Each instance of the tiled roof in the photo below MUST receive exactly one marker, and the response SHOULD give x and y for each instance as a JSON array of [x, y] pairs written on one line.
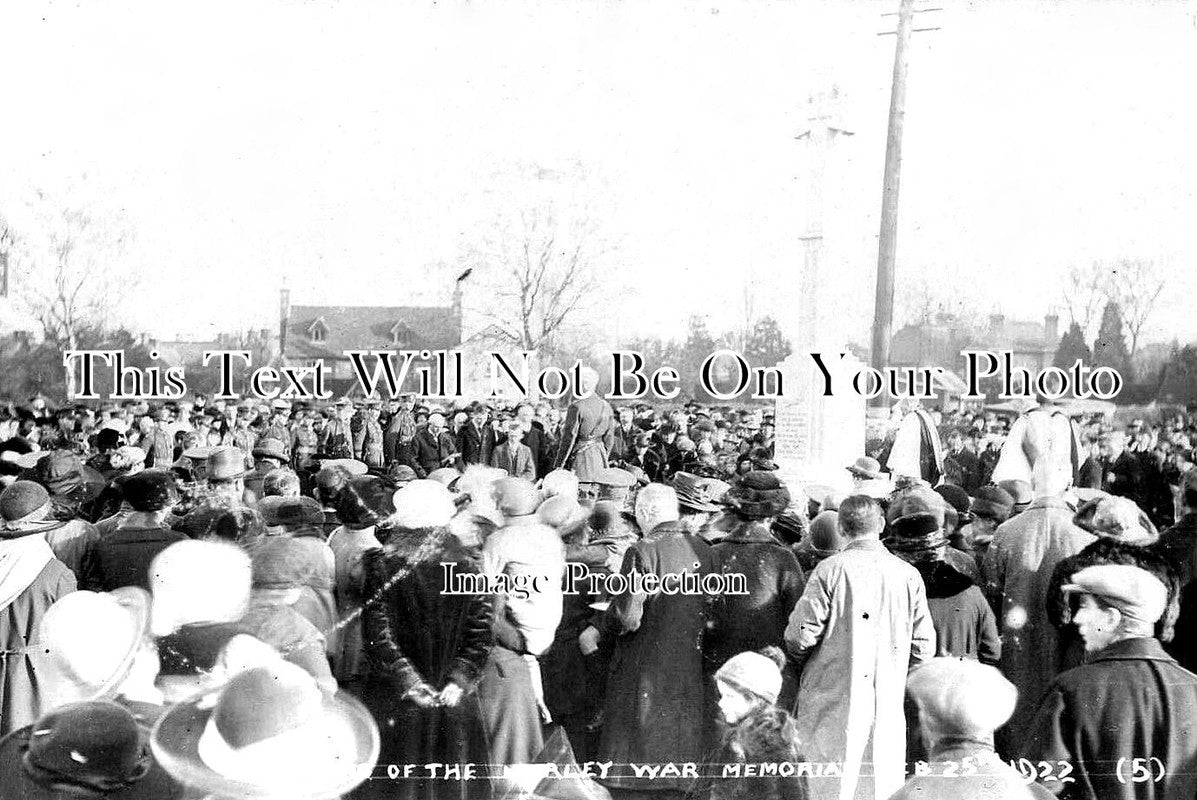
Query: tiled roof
[[370, 328]]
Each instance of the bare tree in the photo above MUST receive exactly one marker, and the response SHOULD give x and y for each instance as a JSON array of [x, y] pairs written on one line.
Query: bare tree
[[540, 273], [923, 297], [1086, 294], [68, 268], [1136, 285]]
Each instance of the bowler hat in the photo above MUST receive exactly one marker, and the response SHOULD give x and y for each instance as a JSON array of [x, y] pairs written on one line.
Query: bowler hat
[[83, 750], [267, 733], [225, 464]]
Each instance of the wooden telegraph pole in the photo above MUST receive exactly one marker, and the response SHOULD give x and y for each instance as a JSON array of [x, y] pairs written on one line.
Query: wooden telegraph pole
[[887, 246]]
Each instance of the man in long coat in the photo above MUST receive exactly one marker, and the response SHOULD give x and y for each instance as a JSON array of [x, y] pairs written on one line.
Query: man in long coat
[[654, 711], [587, 433], [368, 439], [861, 625], [1123, 721], [1016, 571]]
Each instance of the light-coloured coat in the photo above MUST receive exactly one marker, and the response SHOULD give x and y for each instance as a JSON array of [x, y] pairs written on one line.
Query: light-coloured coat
[[862, 623]]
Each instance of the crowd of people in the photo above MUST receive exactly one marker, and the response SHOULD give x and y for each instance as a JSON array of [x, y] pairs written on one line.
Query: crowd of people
[[230, 600]]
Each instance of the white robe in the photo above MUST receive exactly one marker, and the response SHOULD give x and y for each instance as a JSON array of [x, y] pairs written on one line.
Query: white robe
[[1039, 450]]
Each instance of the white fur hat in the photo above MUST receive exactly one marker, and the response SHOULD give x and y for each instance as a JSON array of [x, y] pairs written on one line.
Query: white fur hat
[[198, 581], [423, 504]]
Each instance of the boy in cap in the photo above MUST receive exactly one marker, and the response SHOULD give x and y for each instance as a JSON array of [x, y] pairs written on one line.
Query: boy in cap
[[1129, 701]]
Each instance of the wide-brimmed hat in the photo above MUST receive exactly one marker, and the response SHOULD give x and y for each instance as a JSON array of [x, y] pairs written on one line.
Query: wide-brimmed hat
[[89, 640], [694, 492], [866, 467], [270, 448], [20, 499], [1116, 518], [82, 750], [759, 494], [225, 464], [350, 465], [268, 733], [516, 497]]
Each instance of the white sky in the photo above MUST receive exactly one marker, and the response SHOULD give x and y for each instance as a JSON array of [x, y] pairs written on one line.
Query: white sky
[[346, 147]]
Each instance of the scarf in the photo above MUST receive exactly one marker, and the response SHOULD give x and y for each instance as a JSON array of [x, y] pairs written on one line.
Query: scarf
[[21, 561]]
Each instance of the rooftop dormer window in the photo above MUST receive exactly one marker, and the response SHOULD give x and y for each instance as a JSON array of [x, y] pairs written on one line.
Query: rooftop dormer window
[[401, 334], [318, 331]]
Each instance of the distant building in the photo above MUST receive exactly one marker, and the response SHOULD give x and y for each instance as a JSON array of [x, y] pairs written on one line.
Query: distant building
[[308, 334], [938, 342], [190, 354]]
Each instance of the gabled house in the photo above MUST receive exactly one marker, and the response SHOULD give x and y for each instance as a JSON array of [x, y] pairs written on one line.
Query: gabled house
[[311, 333]]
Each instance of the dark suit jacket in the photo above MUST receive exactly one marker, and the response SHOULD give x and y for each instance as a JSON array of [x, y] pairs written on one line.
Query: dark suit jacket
[[475, 447], [431, 452], [536, 440]]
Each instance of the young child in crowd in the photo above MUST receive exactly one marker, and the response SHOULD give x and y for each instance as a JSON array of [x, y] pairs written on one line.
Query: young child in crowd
[[755, 729]]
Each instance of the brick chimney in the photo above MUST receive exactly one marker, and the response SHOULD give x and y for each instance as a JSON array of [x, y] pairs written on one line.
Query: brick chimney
[[1051, 329]]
